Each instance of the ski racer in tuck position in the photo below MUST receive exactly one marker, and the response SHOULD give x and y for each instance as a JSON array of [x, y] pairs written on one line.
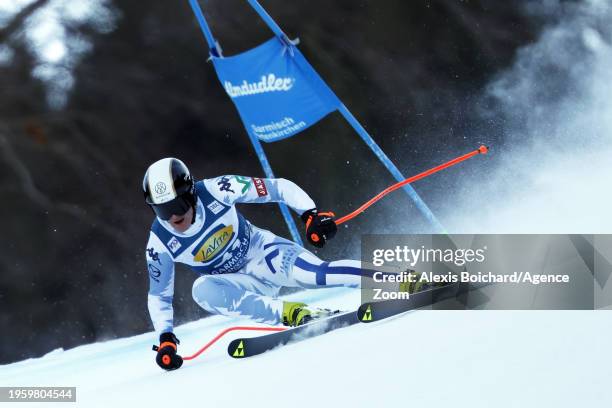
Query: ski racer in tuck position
[[241, 267]]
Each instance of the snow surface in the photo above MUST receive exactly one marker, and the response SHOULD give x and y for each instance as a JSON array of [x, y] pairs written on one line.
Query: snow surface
[[422, 358]]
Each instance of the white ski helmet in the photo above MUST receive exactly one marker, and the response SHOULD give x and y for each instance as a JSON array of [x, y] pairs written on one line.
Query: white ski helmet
[[169, 188]]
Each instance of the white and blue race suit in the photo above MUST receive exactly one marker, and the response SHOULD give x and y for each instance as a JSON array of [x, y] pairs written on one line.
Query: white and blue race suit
[[241, 267]]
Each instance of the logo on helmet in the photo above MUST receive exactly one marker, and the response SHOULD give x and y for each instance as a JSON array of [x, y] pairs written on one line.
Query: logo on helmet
[[160, 187]]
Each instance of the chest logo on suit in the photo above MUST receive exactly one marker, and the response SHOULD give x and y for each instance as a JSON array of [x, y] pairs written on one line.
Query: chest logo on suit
[[214, 244]]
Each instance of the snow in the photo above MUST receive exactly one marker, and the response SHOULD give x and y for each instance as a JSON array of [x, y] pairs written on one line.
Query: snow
[[554, 105], [422, 358]]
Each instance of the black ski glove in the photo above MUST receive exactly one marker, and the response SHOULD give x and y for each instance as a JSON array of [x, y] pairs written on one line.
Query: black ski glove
[[166, 352], [320, 226]]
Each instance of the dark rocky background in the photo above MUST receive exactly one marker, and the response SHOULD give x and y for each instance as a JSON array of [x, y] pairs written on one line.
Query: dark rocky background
[[74, 221]]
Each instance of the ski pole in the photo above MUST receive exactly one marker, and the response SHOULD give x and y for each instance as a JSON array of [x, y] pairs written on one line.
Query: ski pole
[[481, 150], [229, 329]]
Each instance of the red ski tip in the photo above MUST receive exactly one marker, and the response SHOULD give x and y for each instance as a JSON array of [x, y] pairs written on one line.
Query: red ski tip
[[483, 149]]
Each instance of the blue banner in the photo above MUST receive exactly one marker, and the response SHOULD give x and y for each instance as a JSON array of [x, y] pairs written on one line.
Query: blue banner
[[276, 91]]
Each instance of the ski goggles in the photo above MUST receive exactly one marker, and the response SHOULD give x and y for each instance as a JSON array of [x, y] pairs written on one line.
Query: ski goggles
[[178, 206]]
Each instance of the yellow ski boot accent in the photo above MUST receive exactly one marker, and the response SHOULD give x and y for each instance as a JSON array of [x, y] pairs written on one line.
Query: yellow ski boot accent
[[295, 314], [413, 287]]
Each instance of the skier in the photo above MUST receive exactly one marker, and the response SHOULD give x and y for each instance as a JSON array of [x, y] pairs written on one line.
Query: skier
[[242, 267]]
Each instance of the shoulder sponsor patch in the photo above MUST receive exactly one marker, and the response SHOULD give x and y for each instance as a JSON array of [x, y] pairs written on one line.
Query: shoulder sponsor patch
[[215, 207], [260, 186], [225, 184], [154, 255], [246, 183], [174, 244]]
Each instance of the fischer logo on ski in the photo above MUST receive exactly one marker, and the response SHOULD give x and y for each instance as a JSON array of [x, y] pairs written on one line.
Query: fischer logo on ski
[[252, 346], [239, 352], [367, 315]]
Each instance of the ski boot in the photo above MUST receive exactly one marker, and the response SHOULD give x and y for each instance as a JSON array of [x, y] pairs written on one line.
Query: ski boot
[[297, 314], [416, 286]]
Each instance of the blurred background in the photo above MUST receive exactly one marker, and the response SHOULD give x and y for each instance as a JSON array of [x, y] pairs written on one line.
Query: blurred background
[[93, 91]]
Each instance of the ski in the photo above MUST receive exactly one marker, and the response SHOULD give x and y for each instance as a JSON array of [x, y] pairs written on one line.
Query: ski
[[252, 346], [368, 312], [375, 311]]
